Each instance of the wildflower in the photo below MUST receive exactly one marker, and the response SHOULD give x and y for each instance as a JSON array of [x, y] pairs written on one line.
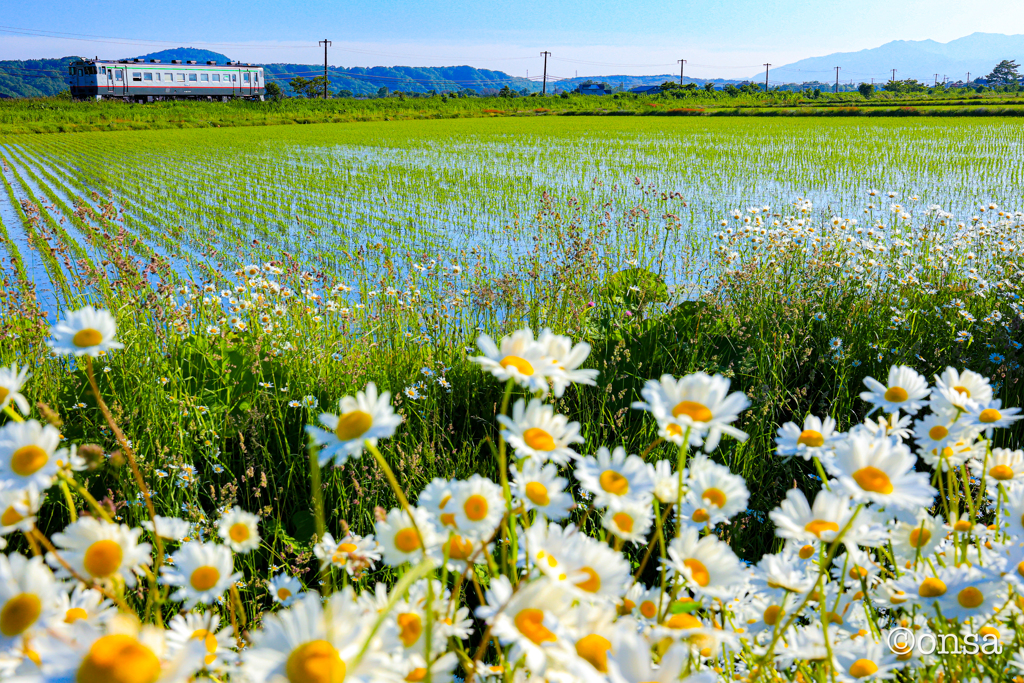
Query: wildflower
[[478, 507], [906, 391], [794, 519], [27, 455], [525, 618], [988, 416], [284, 589], [819, 316], [87, 331], [11, 381], [566, 359], [996, 359], [310, 402], [403, 540], [715, 494], [365, 418], [537, 486], [1005, 467], [520, 359], [184, 629], [100, 550], [537, 432], [171, 528], [238, 530], [697, 403], [629, 521], [814, 439], [354, 553], [614, 477], [835, 343], [294, 404], [876, 469], [28, 595], [202, 572], [412, 392], [707, 564]]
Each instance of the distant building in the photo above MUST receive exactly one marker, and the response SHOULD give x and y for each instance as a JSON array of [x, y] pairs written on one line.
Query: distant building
[[646, 90], [594, 89]]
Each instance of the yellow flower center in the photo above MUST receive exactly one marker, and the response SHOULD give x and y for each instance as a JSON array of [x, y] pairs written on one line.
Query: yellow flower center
[[592, 583], [811, 438], [919, 536], [614, 483], [818, 526], [537, 493], [118, 658], [28, 460], [672, 429], [771, 614], [873, 479], [623, 521], [210, 641], [83, 339], [410, 628], [74, 614], [539, 440], [10, 517], [475, 507], [683, 621], [697, 412], [715, 497], [896, 395], [448, 518], [648, 609], [407, 540], [931, 588], [417, 675], [460, 548], [353, 425], [806, 552], [698, 571], [19, 613], [520, 364], [283, 594], [348, 547], [862, 668], [1001, 472], [962, 526], [594, 649], [4, 393], [970, 597], [963, 390], [530, 622], [989, 415], [239, 532], [315, 662], [204, 578], [938, 432], [700, 515], [102, 558]]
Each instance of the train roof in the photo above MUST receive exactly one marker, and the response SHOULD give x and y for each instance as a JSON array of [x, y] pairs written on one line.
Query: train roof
[[176, 63]]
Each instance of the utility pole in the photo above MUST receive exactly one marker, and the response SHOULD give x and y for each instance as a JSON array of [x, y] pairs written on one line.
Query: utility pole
[[325, 43], [682, 65], [544, 88], [968, 76], [893, 76], [766, 77], [837, 79], [936, 80]]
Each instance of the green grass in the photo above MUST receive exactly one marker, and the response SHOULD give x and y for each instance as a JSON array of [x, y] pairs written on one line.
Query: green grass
[[536, 213]]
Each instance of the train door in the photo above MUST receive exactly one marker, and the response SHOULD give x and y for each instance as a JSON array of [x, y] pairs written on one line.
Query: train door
[[107, 80], [120, 80], [236, 83]]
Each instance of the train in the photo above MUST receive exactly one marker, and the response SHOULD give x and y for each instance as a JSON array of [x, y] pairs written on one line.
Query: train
[[138, 80]]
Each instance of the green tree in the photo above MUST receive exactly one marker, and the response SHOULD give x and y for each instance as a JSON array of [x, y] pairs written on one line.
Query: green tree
[[274, 91], [866, 90], [709, 87], [345, 93], [299, 85], [382, 91], [1004, 73]]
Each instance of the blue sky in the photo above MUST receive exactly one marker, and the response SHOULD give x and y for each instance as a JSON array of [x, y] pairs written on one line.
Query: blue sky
[[724, 38]]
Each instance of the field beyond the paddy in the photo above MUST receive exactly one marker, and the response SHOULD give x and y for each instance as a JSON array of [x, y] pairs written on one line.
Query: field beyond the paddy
[[765, 249]]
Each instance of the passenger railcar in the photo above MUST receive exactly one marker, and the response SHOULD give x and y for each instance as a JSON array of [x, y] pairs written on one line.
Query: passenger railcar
[[142, 81]]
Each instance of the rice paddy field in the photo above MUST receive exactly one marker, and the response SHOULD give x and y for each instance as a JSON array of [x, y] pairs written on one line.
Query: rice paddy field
[[259, 274]]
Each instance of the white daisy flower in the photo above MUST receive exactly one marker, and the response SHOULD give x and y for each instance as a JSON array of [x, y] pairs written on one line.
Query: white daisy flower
[[183, 629], [537, 486], [880, 471], [27, 455], [201, 571], [18, 508], [614, 477], [1004, 467], [918, 540], [28, 597], [714, 493], [631, 663], [527, 619], [708, 565], [399, 539], [666, 481], [365, 417], [865, 660], [171, 528], [354, 553], [814, 439], [100, 550], [538, 432], [478, 506], [955, 392], [699, 403], [520, 358], [311, 641], [794, 519], [973, 593], [907, 391], [81, 604], [11, 381], [629, 521], [284, 589], [990, 416], [567, 360], [238, 529], [87, 331]]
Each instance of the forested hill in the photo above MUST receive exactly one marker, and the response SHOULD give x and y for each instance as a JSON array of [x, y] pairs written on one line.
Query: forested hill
[[40, 77]]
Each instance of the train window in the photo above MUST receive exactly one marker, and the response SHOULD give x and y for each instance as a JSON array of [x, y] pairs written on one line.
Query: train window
[[118, 75], [103, 69], [234, 77], [148, 77], [204, 77], [136, 76], [181, 78], [245, 78], [193, 77], [216, 77]]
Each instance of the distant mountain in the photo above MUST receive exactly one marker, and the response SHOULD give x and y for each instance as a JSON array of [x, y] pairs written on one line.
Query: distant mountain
[[920, 59], [185, 54], [34, 77]]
